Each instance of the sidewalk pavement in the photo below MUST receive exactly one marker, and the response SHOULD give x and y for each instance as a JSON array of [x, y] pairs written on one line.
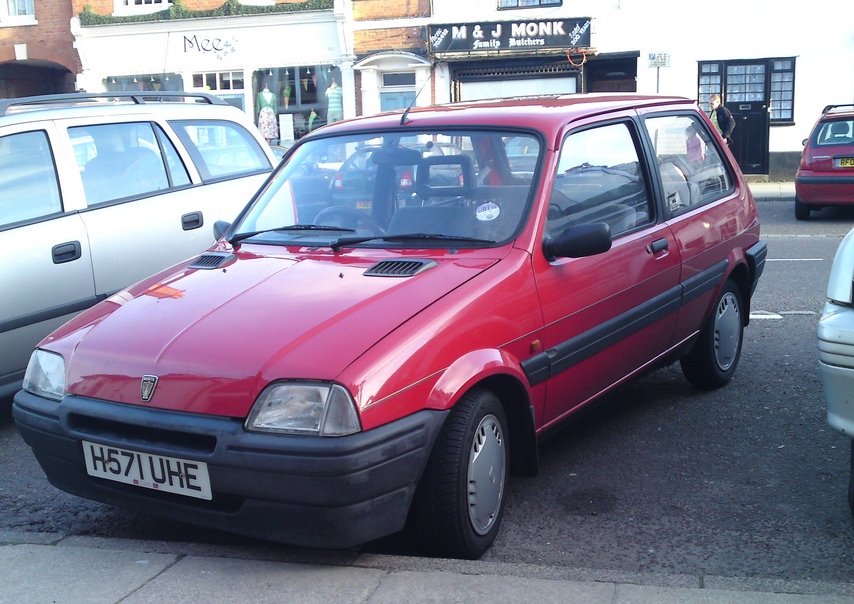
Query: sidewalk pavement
[[49, 568], [772, 191]]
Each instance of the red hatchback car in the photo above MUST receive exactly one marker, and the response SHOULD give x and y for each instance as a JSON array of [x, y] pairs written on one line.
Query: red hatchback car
[[826, 173], [327, 374]]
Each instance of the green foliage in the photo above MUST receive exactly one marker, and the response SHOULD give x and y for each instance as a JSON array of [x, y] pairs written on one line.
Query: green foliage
[[178, 11]]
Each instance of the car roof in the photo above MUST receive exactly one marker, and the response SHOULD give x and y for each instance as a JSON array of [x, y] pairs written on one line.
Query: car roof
[[75, 105], [544, 112]]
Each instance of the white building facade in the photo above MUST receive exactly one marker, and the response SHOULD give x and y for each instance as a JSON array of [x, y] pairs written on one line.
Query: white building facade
[[776, 65]]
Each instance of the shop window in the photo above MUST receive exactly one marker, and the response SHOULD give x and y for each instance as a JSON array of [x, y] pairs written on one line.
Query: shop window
[[144, 82], [292, 101], [527, 3]]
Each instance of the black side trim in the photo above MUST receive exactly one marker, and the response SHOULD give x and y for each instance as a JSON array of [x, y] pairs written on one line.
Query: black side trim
[[567, 354], [831, 181], [698, 285], [50, 313], [756, 256]]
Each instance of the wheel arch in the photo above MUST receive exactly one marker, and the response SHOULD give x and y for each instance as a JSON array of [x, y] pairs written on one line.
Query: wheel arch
[[740, 275], [501, 374]]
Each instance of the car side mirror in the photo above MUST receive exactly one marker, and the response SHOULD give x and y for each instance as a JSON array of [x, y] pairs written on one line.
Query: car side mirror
[[579, 241], [804, 142], [220, 227]]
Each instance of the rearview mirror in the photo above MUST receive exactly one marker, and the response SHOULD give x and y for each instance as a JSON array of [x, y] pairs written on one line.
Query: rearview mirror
[[579, 241]]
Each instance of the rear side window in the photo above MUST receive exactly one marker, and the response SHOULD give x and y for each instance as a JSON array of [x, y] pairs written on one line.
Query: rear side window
[[28, 180], [117, 161], [221, 149], [599, 179], [837, 132], [692, 171]]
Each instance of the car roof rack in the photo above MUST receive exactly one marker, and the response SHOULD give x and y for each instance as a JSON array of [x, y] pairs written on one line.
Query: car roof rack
[[828, 108], [52, 101]]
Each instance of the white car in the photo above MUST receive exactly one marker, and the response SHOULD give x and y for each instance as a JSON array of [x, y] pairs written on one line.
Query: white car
[[99, 191], [836, 347]]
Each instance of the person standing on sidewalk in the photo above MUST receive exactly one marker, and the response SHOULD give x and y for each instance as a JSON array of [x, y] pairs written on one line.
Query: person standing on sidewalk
[[721, 118]]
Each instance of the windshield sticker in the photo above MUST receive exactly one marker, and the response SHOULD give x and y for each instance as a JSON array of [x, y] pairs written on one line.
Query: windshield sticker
[[488, 211]]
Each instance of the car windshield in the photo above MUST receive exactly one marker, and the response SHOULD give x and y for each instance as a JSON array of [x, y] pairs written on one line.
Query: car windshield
[[399, 189]]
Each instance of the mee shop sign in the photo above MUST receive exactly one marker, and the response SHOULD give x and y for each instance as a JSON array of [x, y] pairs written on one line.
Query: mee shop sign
[[510, 35]]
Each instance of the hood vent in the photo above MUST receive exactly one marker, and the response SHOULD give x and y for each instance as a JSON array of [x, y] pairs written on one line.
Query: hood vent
[[399, 268], [213, 260]]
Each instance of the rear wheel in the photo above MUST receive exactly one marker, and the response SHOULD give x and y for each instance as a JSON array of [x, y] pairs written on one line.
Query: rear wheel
[[460, 501], [802, 210], [714, 357]]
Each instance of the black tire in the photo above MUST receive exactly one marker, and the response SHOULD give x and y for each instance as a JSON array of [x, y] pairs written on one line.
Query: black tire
[[459, 503], [851, 480], [712, 361], [802, 210]]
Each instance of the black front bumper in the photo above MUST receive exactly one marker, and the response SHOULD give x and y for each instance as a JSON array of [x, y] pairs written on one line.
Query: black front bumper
[[307, 491]]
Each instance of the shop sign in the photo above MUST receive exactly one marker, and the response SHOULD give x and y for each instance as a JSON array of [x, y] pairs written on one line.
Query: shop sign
[[210, 46], [510, 35]]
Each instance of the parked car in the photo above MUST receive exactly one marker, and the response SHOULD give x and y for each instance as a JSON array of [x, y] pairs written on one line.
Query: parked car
[[330, 382], [836, 347], [826, 172], [101, 190]]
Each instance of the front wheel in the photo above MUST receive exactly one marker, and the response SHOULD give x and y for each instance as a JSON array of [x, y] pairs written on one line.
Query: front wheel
[[460, 500], [714, 357]]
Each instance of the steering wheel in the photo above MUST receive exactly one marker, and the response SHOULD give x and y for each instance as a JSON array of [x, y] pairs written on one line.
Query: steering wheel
[[349, 218]]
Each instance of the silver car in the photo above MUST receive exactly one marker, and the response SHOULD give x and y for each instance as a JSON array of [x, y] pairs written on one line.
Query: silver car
[[836, 347], [99, 191]]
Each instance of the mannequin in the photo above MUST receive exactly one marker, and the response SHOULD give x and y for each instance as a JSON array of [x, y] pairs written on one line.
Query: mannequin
[[267, 111], [334, 103]]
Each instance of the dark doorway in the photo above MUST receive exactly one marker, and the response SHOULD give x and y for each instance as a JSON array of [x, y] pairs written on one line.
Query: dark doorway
[[750, 137], [746, 96]]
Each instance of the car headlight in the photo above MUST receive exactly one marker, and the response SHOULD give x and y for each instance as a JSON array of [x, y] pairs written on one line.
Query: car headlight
[[45, 375], [304, 408]]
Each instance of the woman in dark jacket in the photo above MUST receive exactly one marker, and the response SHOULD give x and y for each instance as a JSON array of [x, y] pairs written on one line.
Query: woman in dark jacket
[[721, 118]]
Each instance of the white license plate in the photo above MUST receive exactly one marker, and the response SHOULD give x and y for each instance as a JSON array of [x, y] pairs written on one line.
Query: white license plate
[[170, 474]]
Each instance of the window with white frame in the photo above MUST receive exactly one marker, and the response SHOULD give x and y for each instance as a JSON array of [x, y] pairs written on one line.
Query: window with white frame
[[17, 12], [139, 7], [527, 3]]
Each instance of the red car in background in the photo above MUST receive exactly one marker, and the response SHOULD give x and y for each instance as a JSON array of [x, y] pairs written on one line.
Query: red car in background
[[329, 373], [826, 172]]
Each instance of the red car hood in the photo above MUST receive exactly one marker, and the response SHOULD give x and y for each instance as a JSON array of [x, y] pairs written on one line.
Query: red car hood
[[216, 338]]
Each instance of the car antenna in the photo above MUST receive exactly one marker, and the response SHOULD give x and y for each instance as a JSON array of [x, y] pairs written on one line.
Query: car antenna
[[412, 104]]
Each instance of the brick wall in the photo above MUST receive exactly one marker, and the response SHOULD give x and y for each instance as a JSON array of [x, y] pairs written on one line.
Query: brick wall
[[105, 7], [369, 10], [406, 39]]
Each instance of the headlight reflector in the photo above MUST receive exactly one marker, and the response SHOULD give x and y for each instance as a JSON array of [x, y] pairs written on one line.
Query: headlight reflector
[[45, 375], [304, 408]]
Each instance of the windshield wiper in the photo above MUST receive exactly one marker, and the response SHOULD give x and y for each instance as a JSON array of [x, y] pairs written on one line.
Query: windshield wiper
[[294, 227], [348, 241]]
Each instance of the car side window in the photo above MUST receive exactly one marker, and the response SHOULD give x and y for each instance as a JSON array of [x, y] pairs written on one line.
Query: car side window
[[28, 181], [599, 179], [125, 161], [221, 149], [691, 169]]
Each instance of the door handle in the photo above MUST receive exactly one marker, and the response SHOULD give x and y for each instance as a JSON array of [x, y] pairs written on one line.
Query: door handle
[[657, 246], [66, 252], [191, 221]]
